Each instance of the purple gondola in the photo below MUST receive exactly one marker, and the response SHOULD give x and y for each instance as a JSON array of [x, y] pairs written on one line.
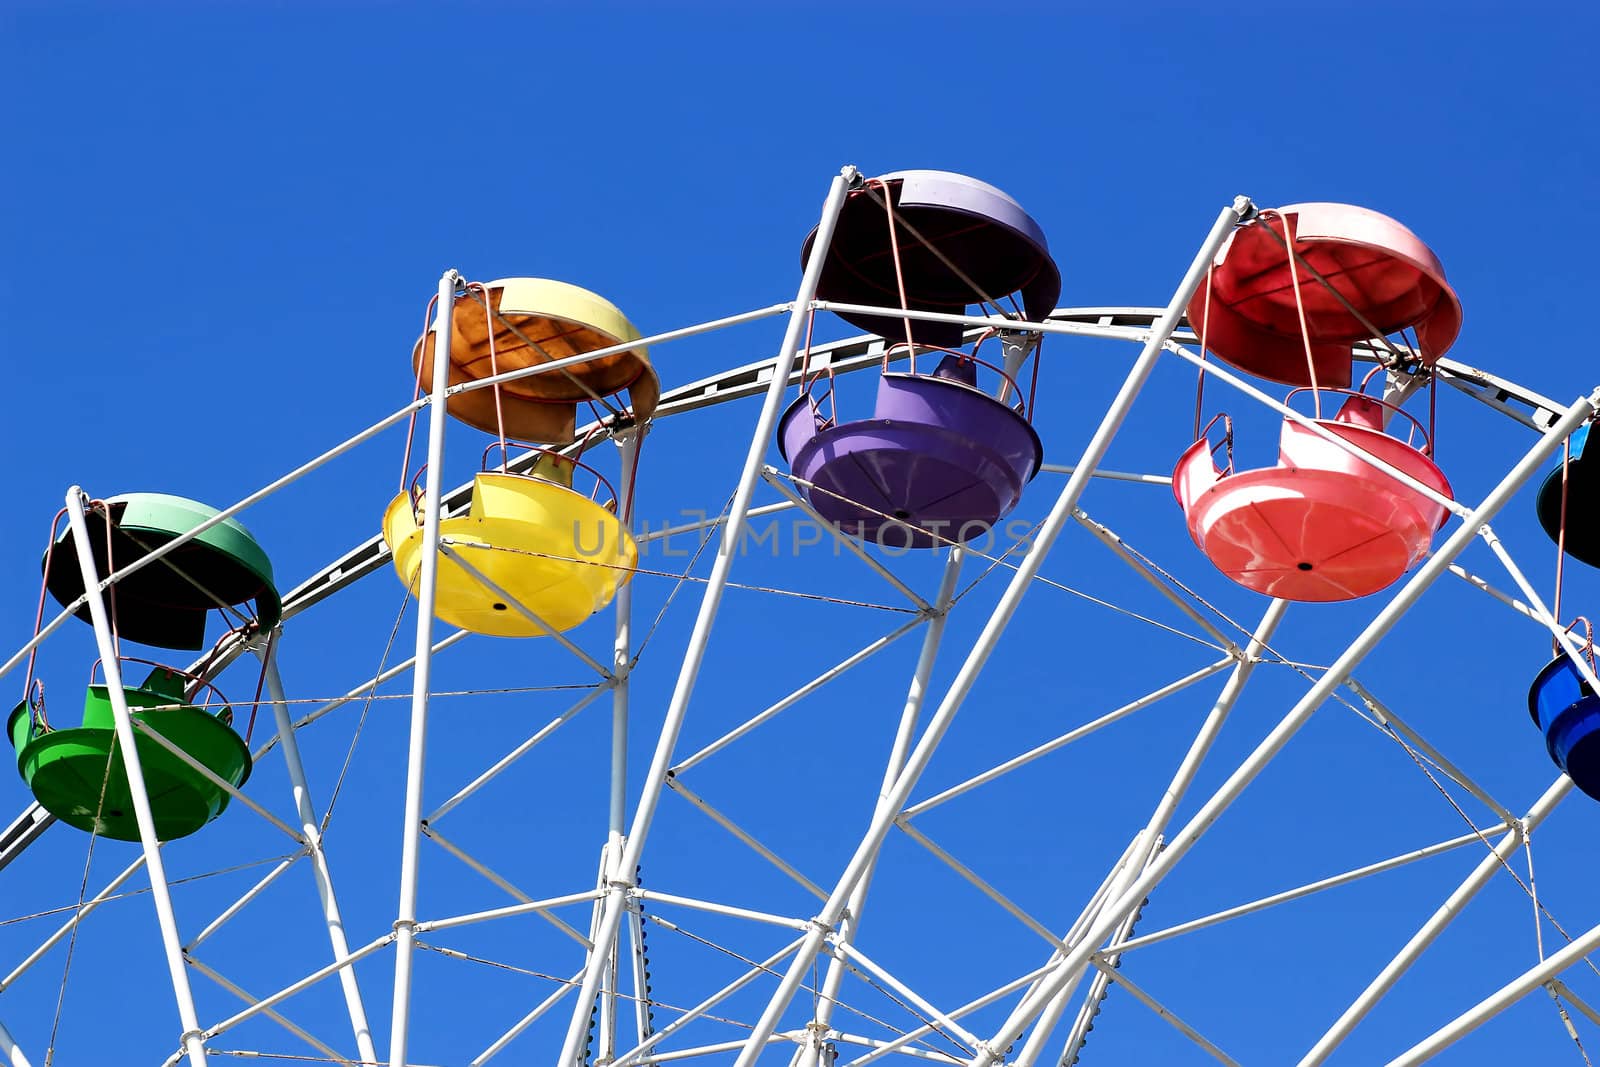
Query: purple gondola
[[941, 460]]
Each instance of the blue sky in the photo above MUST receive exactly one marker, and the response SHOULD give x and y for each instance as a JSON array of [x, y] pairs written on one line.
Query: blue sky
[[226, 222]]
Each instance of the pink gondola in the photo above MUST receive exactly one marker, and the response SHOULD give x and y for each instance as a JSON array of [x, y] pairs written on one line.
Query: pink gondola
[[1361, 275], [1323, 524]]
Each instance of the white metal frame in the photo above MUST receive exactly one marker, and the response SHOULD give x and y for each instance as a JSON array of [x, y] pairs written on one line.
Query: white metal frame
[[1096, 942]]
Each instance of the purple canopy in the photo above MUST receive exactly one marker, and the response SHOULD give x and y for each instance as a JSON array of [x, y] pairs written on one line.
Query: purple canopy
[[973, 225]]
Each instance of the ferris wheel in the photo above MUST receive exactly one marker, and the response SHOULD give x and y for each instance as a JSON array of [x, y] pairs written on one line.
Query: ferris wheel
[[837, 813]]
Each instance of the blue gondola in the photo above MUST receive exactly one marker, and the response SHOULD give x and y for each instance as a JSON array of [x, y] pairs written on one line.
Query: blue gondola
[[1566, 708]]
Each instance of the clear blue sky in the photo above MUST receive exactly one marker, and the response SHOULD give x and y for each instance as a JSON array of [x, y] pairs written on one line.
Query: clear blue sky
[[224, 222]]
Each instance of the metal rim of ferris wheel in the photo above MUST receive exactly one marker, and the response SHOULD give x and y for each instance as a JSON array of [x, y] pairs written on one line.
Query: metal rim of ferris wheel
[[1100, 936]]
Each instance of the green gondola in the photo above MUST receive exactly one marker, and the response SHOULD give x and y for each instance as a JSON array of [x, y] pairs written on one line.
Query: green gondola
[[67, 769], [78, 773]]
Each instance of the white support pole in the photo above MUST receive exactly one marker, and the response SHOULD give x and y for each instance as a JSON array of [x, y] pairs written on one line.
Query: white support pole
[[1306, 890], [1562, 636], [916, 693], [1049, 1009], [642, 1022], [1297, 716], [501, 882], [842, 1037], [1113, 879], [192, 1041], [1563, 990], [622, 649], [1114, 476], [621, 665], [1478, 583], [292, 988], [639, 1052], [1099, 986], [1074, 734], [1499, 1001], [1021, 581], [277, 1017], [992, 322], [749, 839], [405, 922], [1157, 826], [11, 1050], [305, 808], [1386, 716], [261, 886], [810, 1054], [655, 896], [526, 1021], [652, 341], [972, 878], [79, 914], [1107, 970], [846, 951], [795, 696], [450, 922], [515, 754], [1110, 539], [605, 1050], [698, 1051], [711, 600], [1414, 948], [899, 1044], [160, 740]]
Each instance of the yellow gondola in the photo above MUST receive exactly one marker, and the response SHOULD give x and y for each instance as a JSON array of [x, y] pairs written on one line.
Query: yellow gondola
[[530, 555], [534, 540]]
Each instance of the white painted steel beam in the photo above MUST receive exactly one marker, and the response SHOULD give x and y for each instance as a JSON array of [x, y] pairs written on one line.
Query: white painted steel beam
[[517, 753], [405, 923], [1070, 736], [1106, 536], [711, 600], [855, 659], [1309, 888], [277, 1017], [1147, 845], [1297, 717], [1499, 1000], [967, 676], [641, 1051], [748, 839], [499, 1044], [810, 1053], [501, 882], [1418, 944], [11, 1050], [1166, 1014], [192, 1044]]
